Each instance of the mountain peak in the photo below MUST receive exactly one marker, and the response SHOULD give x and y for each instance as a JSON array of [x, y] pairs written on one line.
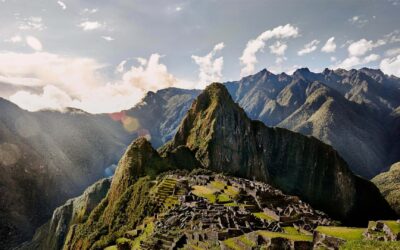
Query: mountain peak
[[223, 139], [214, 96], [140, 159], [217, 92], [302, 70]]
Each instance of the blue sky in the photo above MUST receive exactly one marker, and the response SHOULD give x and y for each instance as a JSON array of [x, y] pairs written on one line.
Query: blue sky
[[103, 56]]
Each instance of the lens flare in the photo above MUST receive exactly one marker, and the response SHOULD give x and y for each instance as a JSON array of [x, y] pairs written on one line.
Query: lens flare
[[130, 124]]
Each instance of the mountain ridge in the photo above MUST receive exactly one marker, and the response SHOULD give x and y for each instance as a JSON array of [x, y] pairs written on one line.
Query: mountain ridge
[[223, 139]]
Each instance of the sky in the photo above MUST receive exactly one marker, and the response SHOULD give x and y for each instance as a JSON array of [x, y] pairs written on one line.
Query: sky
[[103, 56]]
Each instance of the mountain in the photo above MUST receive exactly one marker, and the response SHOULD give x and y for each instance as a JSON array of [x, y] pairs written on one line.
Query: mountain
[[58, 154], [161, 208], [155, 202], [354, 111], [349, 110], [159, 114], [389, 184], [46, 158], [224, 139]]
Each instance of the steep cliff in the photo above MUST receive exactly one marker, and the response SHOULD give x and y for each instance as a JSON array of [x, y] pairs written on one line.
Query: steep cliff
[[223, 139], [52, 234]]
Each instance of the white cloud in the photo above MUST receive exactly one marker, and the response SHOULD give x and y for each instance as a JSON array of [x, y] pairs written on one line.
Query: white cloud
[[150, 76], [393, 52], [391, 66], [32, 23], [249, 59], [371, 58], [62, 5], [61, 81], [354, 61], [52, 97], [34, 43], [210, 67], [362, 46], [358, 21], [178, 8], [278, 48], [120, 67], [330, 46], [89, 11], [308, 48], [108, 38], [392, 37], [14, 39], [142, 61], [89, 25], [395, 2]]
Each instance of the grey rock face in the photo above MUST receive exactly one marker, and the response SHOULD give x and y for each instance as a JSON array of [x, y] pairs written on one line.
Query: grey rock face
[[51, 236]]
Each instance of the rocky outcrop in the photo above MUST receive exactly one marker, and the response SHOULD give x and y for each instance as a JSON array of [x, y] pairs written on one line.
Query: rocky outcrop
[[389, 185], [223, 139], [52, 234]]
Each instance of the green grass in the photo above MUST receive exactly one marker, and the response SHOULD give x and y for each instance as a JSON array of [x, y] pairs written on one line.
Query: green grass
[[231, 191], [393, 225], [205, 192], [209, 194], [223, 198], [263, 216], [291, 230], [346, 233], [370, 245], [111, 248], [294, 237], [218, 185], [231, 204], [233, 242], [148, 230]]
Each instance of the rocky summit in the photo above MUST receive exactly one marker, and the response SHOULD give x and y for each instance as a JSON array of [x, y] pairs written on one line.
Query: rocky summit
[[222, 138]]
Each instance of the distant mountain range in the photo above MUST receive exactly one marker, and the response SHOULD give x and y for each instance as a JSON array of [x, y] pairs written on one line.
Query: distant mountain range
[[60, 153]]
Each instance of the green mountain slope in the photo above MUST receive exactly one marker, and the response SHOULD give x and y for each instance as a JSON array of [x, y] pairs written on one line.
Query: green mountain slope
[[389, 185]]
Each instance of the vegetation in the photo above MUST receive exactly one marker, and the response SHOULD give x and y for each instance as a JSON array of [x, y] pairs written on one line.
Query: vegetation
[[236, 242], [263, 216], [148, 230], [393, 225], [389, 185], [294, 237], [346, 233], [113, 217], [370, 245]]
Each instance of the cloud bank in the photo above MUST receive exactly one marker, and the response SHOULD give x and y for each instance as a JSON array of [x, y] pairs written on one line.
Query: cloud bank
[[59, 81]]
